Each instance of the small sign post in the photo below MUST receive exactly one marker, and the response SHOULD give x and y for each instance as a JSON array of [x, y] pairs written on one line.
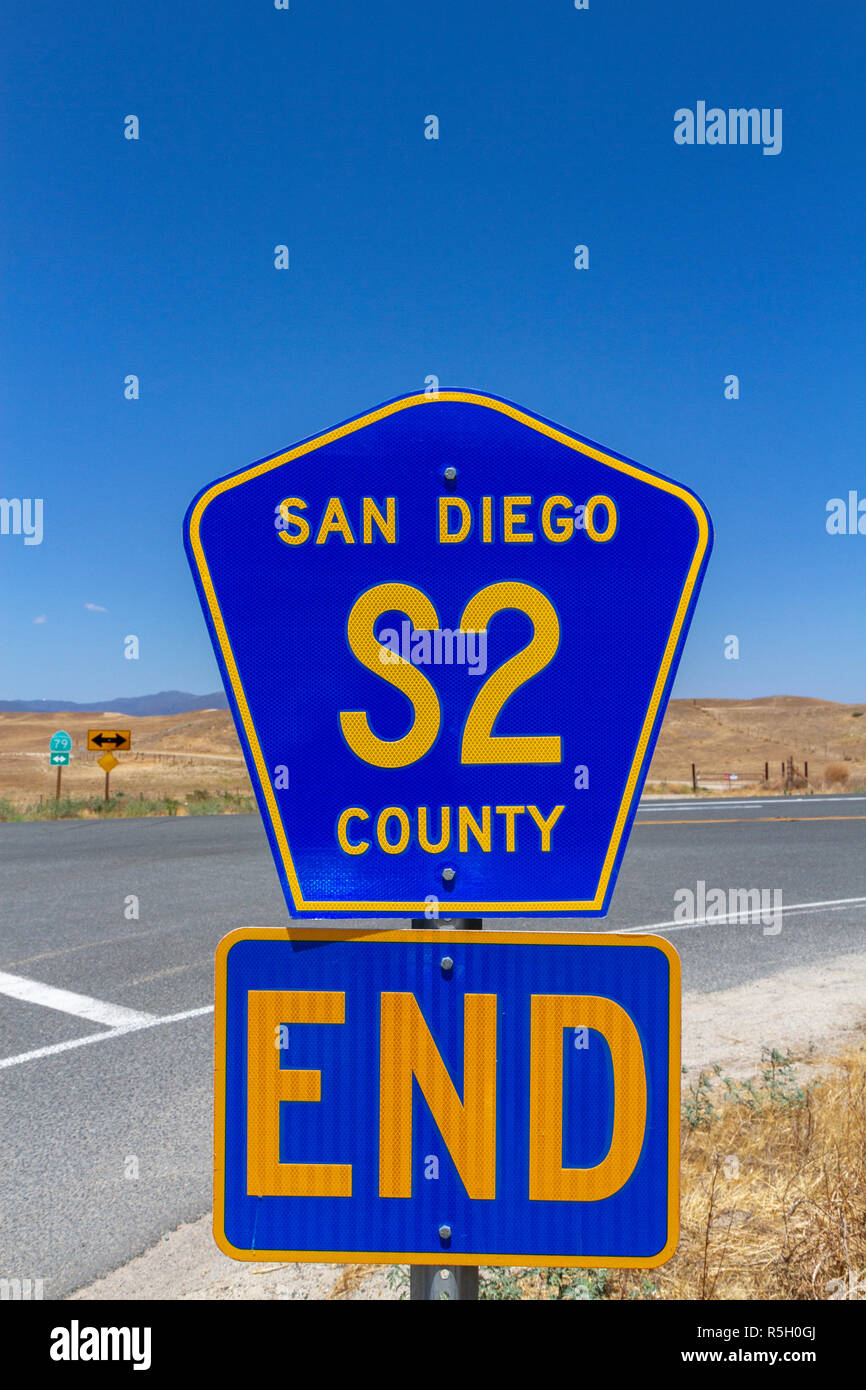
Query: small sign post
[[112, 739], [58, 755], [107, 762]]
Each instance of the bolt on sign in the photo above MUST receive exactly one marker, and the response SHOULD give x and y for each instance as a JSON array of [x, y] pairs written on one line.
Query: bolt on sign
[[458, 1098], [448, 630]]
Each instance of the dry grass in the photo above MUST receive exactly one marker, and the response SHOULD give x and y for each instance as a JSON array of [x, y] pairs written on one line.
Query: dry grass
[[774, 1186], [741, 735], [199, 802], [835, 774], [773, 1196], [350, 1279]]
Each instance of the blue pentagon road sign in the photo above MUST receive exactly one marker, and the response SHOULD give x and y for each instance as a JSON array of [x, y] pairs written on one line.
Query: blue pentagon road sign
[[60, 742], [448, 630], [460, 1097]]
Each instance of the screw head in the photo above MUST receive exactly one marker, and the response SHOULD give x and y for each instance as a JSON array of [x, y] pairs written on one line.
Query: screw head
[[444, 1234], [447, 963], [449, 875], [450, 474]]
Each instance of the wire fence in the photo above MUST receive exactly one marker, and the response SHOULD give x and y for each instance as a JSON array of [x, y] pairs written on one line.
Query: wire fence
[[788, 774]]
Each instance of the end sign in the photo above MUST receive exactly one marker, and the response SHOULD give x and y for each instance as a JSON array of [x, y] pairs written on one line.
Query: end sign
[[447, 1097]]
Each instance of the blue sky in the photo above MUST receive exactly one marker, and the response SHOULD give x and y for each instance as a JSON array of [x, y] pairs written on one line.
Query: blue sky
[[411, 257]]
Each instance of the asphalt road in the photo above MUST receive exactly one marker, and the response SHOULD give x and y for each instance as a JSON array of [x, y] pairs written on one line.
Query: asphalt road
[[80, 1118]]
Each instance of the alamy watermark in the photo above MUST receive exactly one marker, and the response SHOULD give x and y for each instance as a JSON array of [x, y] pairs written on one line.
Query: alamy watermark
[[846, 517], [734, 126], [737, 906], [22, 516], [854, 1287], [77, 1343], [18, 1290], [434, 647]]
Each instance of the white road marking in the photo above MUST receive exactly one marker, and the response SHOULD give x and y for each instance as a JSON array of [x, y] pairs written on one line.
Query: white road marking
[[705, 805], [679, 925], [128, 1021], [150, 1022], [719, 805], [81, 1005]]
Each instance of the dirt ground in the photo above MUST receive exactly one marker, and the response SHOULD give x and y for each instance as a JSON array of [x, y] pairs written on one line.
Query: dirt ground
[[740, 736], [173, 755]]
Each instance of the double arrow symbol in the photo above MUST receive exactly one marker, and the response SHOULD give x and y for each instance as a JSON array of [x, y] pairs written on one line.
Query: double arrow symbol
[[109, 738]]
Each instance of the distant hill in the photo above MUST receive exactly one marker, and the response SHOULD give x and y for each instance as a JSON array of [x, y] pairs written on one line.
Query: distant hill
[[166, 702]]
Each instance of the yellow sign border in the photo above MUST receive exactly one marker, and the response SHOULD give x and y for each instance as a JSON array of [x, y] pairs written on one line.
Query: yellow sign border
[[441, 938], [463, 907]]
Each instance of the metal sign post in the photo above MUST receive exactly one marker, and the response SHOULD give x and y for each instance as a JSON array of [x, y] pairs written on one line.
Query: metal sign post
[[58, 751], [445, 1283], [107, 762]]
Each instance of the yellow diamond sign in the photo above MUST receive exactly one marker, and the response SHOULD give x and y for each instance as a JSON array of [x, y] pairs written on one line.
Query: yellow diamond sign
[[107, 762]]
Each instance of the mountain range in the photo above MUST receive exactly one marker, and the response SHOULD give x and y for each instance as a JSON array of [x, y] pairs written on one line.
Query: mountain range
[[165, 702]]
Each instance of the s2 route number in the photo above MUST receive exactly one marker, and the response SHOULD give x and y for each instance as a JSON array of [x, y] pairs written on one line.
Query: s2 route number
[[479, 743], [436, 765]]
